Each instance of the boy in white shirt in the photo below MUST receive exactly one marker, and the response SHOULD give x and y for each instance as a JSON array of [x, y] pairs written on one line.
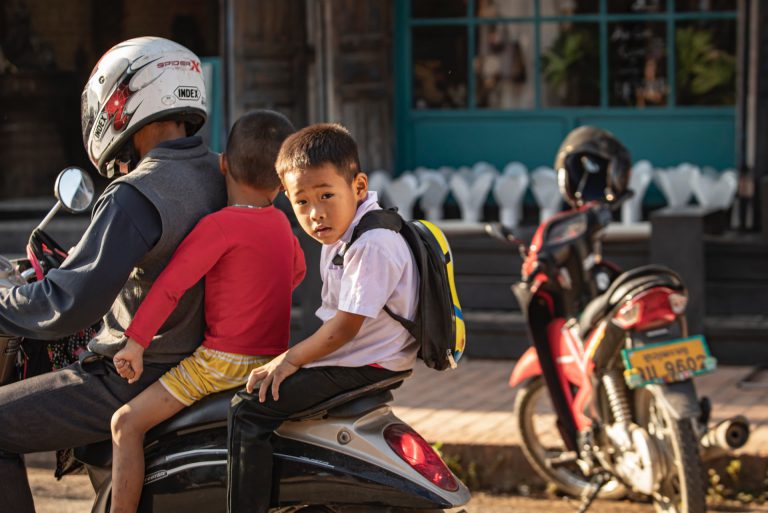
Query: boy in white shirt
[[358, 343]]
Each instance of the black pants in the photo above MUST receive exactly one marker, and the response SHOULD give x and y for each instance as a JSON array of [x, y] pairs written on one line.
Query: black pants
[[58, 410], [251, 424]]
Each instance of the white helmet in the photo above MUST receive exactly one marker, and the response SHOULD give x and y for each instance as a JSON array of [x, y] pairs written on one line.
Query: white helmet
[[135, 83]]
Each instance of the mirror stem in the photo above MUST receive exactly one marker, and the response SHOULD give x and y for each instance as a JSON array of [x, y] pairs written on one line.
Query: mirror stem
[[49, 216]]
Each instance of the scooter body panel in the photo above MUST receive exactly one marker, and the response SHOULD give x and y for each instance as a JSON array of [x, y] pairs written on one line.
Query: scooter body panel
[[189, 471]]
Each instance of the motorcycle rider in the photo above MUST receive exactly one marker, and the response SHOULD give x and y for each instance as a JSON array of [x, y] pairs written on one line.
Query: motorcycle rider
[[140, 108]]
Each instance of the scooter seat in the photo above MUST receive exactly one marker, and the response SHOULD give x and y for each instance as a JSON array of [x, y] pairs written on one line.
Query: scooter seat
[[212, 411], [355, 402], [631, 281]]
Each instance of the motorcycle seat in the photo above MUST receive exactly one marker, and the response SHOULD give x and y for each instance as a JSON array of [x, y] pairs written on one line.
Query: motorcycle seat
[[212, 411], [355, 402], [632, 281]]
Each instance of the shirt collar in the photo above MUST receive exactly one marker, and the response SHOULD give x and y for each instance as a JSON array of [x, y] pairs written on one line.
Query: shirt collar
[[368, 204], [182, 143]]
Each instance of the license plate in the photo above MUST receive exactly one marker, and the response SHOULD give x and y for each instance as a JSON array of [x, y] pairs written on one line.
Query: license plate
[[667, 362]]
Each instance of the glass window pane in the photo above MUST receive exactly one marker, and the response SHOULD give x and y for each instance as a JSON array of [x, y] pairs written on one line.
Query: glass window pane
[[570, 64], [637, 64], [636, 6], [504, 8], [439, 67], [438, 8], [569, 7], [706, 5], [504, 66], [706, 62]]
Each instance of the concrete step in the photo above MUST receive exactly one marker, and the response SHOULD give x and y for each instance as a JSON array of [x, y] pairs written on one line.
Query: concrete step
[[65, 229], [21, 208]]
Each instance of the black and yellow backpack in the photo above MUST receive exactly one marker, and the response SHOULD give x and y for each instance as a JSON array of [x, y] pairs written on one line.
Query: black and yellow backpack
[[439, 324]]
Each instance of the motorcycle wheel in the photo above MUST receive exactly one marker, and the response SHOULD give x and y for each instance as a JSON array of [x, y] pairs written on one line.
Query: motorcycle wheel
[[683, 487], [535, 420]]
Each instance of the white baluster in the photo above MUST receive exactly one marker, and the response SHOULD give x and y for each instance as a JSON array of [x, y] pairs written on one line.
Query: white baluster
[[470, 190], [509, 191], [713, 189], [639, 180], [403, 192], [436, 190], [676, 183], [546, 192], [378, 181]]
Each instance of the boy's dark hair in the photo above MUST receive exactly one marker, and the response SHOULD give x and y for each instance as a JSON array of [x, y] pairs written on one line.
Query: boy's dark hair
[[252, 147], [316, 145]]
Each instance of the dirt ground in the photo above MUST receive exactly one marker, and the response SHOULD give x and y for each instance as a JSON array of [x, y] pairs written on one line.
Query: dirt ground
[[73, 495]]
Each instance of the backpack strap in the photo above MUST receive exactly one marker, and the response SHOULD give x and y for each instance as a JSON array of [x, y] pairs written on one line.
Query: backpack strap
[[372, 220], [390, 220]]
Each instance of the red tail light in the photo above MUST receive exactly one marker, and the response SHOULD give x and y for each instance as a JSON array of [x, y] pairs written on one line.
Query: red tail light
[[651, 309], [417, 453]]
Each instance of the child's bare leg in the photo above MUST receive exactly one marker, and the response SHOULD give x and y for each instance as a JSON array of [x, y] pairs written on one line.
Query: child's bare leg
[[129, 424]]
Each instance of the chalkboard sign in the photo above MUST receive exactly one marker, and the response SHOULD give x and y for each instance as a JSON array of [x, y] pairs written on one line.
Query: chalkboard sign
[[637, 64]]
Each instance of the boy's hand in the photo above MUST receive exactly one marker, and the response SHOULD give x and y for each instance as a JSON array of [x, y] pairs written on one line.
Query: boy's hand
[[129, 361], [271, 374]]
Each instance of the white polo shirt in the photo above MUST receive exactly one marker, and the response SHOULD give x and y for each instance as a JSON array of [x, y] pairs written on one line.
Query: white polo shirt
[[378, 270]]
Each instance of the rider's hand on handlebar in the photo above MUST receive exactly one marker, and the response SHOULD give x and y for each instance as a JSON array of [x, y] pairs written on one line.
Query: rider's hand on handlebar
[[129, 361]]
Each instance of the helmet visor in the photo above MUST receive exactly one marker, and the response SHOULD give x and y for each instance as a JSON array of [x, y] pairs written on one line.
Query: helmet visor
[[588, 176]]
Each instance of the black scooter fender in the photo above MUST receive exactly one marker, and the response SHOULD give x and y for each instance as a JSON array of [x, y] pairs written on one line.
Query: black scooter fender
[[680, 399]]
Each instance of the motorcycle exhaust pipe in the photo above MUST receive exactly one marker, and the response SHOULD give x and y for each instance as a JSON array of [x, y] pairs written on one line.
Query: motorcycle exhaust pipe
[[726, 436]]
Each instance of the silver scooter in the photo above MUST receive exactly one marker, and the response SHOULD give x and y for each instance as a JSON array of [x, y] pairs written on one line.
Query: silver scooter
[[348, 454]]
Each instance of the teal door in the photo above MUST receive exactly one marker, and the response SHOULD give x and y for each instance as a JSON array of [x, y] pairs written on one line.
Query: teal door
[[505, 80], [214, 132]]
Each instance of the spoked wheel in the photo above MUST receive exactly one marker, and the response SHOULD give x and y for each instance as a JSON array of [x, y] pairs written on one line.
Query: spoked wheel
[[682, 488], [544, 447]]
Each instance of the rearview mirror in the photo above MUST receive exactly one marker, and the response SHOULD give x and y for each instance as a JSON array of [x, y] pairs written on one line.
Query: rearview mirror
[[74, 189]]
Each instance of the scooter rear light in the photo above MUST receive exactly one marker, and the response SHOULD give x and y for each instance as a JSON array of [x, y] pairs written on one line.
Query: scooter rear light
[[651, 309], [417, 453], [678, 302]]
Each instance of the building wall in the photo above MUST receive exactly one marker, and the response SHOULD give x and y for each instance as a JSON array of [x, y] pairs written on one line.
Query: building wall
[[65, 29], [362, 84], [197, 22], [267, 57], [52, 47], [317, 61]]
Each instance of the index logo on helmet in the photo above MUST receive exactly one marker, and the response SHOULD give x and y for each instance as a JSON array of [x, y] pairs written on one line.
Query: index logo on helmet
[[98, 132], [193, 65], [187, 93]]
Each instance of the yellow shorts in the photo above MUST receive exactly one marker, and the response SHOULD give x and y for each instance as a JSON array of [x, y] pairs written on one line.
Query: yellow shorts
[[207, 371]]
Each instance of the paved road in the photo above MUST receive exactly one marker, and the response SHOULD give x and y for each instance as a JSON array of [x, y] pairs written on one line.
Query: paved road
[[73, 495]]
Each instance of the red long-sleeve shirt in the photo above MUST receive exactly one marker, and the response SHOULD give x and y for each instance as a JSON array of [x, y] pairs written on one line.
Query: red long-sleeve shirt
[[251, 262]]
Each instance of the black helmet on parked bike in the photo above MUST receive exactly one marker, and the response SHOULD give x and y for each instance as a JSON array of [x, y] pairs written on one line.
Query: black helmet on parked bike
[[592, 164]]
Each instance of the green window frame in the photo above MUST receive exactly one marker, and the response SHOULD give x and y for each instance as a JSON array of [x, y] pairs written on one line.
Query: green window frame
[[603, 18], [667, 134]]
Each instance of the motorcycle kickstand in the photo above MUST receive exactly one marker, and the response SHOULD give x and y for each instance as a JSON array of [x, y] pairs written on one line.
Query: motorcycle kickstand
[[591, 491]]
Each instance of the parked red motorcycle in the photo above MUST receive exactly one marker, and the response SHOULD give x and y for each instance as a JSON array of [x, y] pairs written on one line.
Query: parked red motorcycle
[[606, 401]]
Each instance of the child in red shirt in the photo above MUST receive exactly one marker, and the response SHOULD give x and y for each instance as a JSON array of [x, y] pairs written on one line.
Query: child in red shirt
[[251, 262]]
